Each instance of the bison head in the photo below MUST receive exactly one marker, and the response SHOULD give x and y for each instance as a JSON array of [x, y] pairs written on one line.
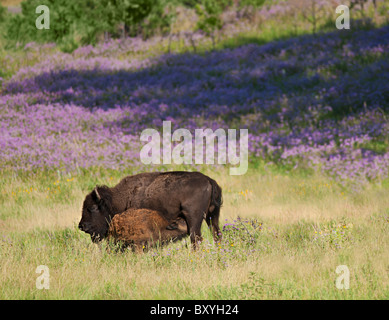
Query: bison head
[[97, 213]]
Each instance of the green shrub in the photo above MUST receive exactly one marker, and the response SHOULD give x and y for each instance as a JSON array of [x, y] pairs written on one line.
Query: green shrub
[[2, 13], [159, 20], [76, 22]]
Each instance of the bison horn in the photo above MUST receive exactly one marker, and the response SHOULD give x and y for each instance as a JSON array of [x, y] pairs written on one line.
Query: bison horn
[[97, 194]]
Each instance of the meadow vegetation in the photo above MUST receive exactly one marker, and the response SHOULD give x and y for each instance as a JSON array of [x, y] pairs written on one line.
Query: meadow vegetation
[[316, 194], [283, 238]]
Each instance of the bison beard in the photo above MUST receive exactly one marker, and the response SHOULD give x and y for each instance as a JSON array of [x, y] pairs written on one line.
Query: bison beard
[[141, 228], [192, 196]]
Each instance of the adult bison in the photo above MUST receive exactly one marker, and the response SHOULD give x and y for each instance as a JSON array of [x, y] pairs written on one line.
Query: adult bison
[[192, 196]]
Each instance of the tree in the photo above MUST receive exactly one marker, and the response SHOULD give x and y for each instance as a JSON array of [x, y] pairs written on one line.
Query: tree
[[312, 12], [248, 7], [159, 20], [361, 5], [2, 13], [130, 12], [209, 13]]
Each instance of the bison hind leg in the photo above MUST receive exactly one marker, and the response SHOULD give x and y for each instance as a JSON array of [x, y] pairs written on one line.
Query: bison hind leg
[[212, 219], [194, 219]]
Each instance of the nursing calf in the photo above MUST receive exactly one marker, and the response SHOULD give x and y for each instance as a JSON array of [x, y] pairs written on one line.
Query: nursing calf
[[142, 228]]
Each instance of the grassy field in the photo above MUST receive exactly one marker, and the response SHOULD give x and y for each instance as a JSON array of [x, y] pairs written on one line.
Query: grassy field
[[315, 197], [284, 237]]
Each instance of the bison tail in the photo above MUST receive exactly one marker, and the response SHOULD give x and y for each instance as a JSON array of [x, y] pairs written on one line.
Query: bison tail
[[213, 214], [216, 197]]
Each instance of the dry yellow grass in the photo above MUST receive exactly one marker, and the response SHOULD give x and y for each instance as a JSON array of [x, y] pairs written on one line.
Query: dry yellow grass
[[10, 3]]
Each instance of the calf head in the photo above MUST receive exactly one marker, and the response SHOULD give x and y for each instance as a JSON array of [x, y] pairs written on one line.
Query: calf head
[[97, 213]]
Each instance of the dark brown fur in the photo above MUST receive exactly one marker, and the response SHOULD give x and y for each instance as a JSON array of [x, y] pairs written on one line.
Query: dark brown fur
[[142, 228], [191, 196]]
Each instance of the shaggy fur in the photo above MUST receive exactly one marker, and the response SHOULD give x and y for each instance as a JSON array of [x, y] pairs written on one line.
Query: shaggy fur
[[142, 228], [176, 195]]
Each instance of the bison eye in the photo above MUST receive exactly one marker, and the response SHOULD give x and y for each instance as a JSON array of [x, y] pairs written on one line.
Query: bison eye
[[93, 209]]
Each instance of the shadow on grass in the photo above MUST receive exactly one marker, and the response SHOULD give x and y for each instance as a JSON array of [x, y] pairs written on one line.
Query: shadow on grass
[[331, 74]]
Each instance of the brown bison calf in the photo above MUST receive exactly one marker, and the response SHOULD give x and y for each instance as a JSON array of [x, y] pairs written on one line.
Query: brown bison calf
[[141, 228]]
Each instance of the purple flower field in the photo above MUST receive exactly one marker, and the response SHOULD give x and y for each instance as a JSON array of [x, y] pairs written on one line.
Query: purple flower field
[[318, 102]]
